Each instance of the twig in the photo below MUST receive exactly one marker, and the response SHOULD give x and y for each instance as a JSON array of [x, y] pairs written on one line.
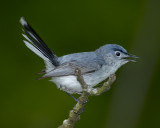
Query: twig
[[74, 114], [106, 86]]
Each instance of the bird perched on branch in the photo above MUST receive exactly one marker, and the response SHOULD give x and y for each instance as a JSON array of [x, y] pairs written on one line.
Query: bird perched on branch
[[95, 66]]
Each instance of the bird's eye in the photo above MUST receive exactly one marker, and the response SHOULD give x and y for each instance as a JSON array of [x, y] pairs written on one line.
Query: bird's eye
[[117, 53]]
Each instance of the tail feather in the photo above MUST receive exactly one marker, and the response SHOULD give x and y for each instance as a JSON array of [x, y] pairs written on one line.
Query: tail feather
[[35, 50], [36, 44]]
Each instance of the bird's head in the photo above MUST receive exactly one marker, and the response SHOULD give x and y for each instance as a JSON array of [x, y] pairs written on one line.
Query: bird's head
[[115, 55]]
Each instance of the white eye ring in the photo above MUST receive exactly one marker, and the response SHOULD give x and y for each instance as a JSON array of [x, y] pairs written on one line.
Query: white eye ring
[[118, 53]]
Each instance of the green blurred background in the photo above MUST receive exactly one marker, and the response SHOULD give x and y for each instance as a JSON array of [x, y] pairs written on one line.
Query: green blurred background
[[77, 26]]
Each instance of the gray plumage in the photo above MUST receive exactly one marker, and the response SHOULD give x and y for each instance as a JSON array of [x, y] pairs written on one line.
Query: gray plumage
[[95, 66]]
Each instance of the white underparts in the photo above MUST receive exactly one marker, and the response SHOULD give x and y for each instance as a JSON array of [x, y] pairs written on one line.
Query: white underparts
[[71, 85]]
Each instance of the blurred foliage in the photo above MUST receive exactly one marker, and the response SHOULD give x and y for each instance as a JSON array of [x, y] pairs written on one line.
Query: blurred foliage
[[77, 26]]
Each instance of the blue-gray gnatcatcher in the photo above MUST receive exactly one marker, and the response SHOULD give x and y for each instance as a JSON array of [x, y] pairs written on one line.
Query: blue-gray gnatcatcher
[[95, 66]]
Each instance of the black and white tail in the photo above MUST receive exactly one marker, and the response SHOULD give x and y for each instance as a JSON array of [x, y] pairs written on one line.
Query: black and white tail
[[37, 45]]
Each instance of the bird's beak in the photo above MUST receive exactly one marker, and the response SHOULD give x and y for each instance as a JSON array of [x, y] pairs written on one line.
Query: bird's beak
[[131, 58]]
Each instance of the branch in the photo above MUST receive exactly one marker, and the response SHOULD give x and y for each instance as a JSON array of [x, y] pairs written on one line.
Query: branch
[[106, 86], [74, 114]]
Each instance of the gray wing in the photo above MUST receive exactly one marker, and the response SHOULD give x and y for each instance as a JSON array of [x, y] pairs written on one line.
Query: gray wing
[[86, 62]]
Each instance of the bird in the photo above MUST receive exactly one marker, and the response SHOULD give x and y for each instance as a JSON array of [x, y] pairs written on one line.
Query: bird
[[95, 66]]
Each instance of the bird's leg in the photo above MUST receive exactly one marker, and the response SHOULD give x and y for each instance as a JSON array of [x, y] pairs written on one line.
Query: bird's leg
[[77, 99], [72, 96]]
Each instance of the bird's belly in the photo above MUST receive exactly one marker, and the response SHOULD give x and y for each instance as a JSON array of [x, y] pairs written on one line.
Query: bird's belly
[[71, 85], [68, 84]]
